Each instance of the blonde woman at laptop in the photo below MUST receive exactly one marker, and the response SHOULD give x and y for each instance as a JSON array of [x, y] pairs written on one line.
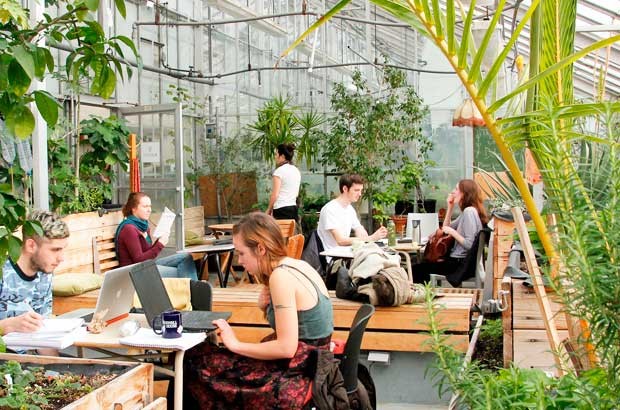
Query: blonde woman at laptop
[[134, 242], [274, 374]]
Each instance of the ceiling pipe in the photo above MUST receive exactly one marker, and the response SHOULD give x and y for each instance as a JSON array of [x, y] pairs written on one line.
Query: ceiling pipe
[[152, 69]]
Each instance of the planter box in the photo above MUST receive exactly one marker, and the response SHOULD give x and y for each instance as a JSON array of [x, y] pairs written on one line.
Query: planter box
[[240, 187], [131, 389]]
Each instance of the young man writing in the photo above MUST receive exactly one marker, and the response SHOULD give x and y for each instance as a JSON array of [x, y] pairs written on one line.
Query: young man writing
[[26, 285], [338, 218]]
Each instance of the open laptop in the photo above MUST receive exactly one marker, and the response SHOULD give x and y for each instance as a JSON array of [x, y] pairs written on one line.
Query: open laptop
[[115, 295], [154, 299]]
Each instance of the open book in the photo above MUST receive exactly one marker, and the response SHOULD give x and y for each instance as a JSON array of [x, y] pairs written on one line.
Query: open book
[[147, 338], [55, 333], [165, 223]]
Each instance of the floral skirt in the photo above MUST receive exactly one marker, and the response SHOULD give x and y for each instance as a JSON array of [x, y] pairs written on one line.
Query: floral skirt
[[216, 378]]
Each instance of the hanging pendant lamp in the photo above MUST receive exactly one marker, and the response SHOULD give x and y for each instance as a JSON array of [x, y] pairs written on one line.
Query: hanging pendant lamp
[[467, 114]]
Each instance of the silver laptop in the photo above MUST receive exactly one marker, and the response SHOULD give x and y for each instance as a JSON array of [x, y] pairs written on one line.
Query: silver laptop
[[115, 295]]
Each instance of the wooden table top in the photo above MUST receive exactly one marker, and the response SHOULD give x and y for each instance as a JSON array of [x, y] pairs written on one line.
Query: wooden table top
[[108, 338], [222, 227]]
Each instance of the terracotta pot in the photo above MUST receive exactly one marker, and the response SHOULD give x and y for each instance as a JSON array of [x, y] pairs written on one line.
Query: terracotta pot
[[400, 222]]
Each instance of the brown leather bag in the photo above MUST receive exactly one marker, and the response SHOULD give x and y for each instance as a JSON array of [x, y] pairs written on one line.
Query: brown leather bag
[[438, 246]]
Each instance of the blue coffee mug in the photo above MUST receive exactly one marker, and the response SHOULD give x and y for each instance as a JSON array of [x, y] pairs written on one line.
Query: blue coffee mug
[[168, 324]]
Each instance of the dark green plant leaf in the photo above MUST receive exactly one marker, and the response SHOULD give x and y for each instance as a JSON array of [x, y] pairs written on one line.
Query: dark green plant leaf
[[127, 41], [49, 60], [32, 228], [19, 80], [48, 106], [40, 59], [15, 247]]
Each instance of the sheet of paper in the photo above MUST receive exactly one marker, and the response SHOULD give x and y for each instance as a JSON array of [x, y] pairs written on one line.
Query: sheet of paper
[[165, 223], [147, 338]]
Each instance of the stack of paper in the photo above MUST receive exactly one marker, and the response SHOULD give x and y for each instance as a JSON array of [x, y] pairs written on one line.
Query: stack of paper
[[55, 333], [147, 338]]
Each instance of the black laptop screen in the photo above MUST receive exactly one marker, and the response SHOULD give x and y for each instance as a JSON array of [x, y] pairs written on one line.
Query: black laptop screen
[[150, 289]]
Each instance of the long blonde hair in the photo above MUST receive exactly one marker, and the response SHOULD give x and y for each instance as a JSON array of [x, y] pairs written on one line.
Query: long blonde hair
[[258, 228]]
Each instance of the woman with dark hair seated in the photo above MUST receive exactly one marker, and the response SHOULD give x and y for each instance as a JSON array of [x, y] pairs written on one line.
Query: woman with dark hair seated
[[134, 243], [463, 229], [274, 374]]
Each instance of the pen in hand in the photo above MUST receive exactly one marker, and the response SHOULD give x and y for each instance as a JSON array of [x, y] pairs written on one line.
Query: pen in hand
[[32, 320], [27, 305]]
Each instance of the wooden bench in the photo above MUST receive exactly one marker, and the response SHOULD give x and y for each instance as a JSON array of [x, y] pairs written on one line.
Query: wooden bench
[[91, 244], [91, 249], [400, 328]]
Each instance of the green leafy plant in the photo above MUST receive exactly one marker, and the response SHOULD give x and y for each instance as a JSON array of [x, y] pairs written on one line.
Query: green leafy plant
[[481, 387], [23, 60], [371, 133], [279, 122], [106, 142], [383, 201], [34, 388], [13, 216]]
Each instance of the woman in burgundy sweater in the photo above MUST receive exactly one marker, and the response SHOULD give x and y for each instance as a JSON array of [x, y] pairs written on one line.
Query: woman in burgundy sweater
[[134, 243]]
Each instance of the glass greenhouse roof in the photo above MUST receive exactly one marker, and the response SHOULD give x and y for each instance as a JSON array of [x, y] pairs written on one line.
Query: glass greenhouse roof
[[595, 21]]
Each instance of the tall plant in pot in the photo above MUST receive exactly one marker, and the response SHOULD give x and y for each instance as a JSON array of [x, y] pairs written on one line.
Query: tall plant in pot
[[280, 122], [371, 133], [413, 174]]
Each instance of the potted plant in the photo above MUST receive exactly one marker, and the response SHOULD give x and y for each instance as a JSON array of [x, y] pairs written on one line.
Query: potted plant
[[372, 134], [89, 184], [383, 203], [279, 122], [310, 208], [410, 178]]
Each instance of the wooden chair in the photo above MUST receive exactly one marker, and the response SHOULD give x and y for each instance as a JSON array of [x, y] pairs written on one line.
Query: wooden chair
[[295, 246], [287, 227]]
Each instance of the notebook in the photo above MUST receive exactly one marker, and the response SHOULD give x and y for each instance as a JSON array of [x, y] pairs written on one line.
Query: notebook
[[115, 295], [146, 338], [55, 333], [154, 299]]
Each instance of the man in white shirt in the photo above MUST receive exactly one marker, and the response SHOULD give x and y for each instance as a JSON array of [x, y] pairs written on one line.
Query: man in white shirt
[[338, 218]]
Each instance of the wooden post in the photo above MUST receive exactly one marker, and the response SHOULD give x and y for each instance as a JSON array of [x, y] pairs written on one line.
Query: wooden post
[[539, 289], [507, 322], [502, 243]]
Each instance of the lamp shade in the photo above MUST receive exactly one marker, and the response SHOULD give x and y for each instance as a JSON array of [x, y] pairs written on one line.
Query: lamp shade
[[467, 114]]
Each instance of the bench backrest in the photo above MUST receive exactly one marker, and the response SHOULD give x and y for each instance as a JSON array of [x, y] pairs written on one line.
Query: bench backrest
[[91, 243], [92, 238]]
